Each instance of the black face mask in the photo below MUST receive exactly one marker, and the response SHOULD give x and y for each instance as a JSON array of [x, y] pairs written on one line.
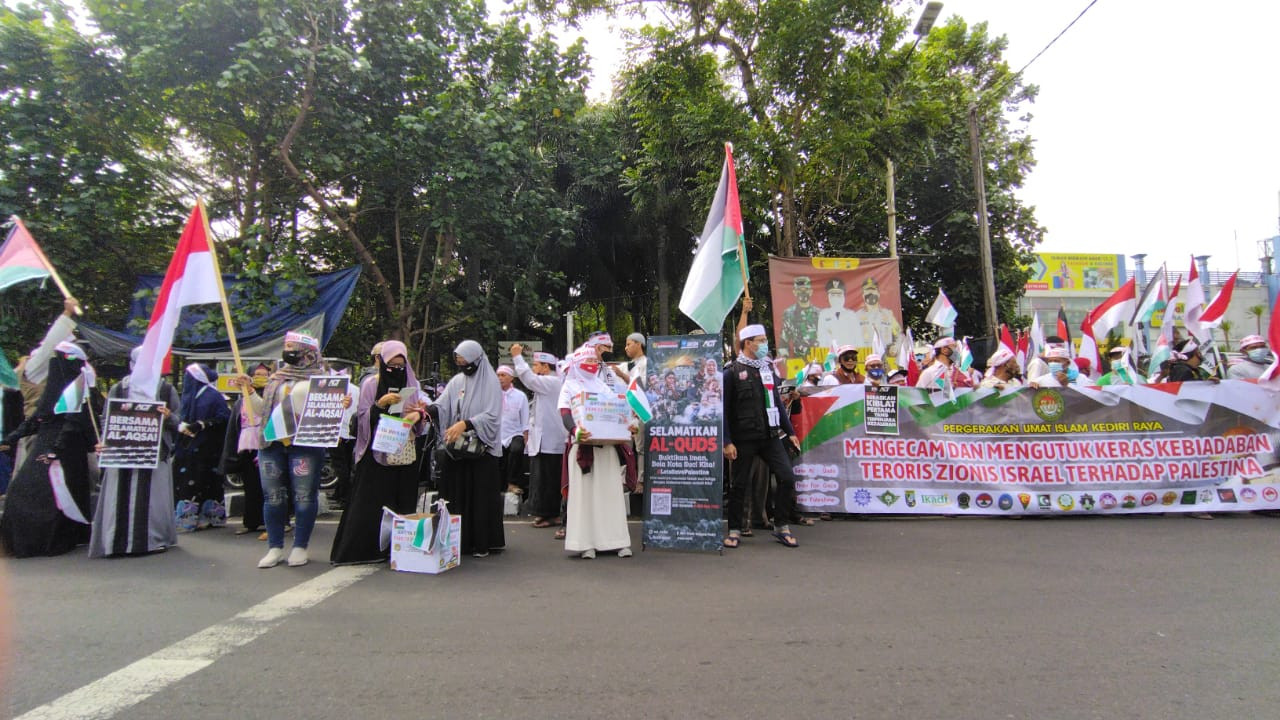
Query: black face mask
[[395, 377], [292, 357], [470, 368]]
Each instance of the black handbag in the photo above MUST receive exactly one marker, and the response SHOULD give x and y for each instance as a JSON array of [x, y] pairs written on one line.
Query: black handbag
[[467, 447]]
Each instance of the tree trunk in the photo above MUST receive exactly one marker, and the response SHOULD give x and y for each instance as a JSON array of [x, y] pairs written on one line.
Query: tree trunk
[[664, 285]]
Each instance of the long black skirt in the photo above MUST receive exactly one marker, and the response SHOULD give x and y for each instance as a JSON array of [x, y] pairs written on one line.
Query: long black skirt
[[473, 489], [373, 486], [32, 524]]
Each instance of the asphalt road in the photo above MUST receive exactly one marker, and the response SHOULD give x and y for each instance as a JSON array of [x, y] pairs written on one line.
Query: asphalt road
[[1162, 617]]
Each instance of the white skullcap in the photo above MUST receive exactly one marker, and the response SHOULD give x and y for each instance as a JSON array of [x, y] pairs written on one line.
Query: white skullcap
[[944, 342], [751, 331]]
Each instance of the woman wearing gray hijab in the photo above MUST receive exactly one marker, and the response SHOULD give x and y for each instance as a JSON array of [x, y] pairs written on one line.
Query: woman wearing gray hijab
[[472, 401], [135, 506]]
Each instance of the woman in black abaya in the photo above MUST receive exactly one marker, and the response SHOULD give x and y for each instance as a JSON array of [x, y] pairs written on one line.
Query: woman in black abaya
[[472, 401], [378, 482], [46, 515]]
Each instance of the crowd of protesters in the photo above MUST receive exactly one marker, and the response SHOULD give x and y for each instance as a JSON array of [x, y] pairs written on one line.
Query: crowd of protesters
[[488, 437]]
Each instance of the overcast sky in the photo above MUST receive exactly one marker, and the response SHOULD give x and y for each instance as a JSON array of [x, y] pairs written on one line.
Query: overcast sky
[[1157, 128]]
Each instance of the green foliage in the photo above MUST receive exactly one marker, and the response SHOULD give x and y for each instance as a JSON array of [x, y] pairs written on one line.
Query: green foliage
[[455, 156]]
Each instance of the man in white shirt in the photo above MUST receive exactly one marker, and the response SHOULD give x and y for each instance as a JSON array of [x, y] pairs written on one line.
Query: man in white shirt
[[547, 435], [837, 324], [514, 432]]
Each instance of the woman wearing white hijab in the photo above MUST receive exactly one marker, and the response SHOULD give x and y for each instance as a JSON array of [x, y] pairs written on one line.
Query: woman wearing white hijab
[[472, 402], [597, 516]]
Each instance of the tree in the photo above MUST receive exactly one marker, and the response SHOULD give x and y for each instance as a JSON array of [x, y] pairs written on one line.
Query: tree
[[85, 168], [1256, 312]]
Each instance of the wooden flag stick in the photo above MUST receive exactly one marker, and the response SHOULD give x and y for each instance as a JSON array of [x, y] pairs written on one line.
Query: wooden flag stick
[[226, 310], [53, 272]]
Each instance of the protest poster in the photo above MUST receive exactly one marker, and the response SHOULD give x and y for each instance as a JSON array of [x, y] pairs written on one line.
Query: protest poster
[[1174, 447], [131, 435], [392, 434], [882, 410], [684, 458], [606, 416], [820, 304], [320, 424]]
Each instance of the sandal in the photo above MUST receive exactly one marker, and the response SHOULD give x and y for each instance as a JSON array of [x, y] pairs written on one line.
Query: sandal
[[787, 539], [732, 541], [806, 521], [748, 532], [542, 523], [560, 534]]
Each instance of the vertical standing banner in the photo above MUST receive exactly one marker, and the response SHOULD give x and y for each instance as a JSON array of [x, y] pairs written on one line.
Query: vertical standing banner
[[820, 304], [684, 458]]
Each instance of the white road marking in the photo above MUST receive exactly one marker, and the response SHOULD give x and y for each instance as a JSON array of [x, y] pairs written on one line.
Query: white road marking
[[130, 685]]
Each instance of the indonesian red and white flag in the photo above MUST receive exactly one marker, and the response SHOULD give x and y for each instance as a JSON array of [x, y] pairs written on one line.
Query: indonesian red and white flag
[[1115, 311], [190, 280], [1006, 340], [1216, 311], [1088, 346]]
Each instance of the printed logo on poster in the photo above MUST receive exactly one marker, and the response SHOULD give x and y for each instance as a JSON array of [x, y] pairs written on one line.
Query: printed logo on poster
[[1044, 501], [1270, 494], [1169, 498], [1024, 499], [1066, 502], [909, 497], [1107, 501], [1005, 502], [1086, 502], [942, 499], [1048, 404], [1226, 495], [1149, 499], [983, 500], [888, 498], [963, 500]]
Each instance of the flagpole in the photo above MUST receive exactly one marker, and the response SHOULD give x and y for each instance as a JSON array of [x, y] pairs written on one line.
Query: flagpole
[[53, 272], [226, 309]]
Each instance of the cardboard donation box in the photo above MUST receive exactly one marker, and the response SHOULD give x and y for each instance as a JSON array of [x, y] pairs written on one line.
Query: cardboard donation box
[[605, 415], [423, 543]]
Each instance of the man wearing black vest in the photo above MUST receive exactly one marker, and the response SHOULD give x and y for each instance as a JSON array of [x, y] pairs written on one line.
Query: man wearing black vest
[[754, 420]]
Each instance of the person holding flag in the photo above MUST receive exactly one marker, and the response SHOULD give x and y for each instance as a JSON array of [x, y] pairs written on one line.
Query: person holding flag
[[47, 507], [753, 424], [282, 464]]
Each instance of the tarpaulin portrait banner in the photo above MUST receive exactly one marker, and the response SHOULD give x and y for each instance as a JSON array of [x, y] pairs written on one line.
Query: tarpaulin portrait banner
[[820, 304], [1117, 449], [684, 457]]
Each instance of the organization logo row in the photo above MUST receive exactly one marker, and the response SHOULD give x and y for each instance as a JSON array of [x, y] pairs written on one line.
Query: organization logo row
[[905, 500]]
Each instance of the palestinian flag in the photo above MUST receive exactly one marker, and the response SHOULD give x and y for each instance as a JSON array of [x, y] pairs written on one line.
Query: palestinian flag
[[639, 401], [73, 397], [717, 277], [21, 258], [281, 424]]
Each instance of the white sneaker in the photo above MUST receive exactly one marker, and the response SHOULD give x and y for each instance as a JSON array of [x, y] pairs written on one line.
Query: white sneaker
[[588, 555], [297, 556], [624, 552], [272, 558]]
